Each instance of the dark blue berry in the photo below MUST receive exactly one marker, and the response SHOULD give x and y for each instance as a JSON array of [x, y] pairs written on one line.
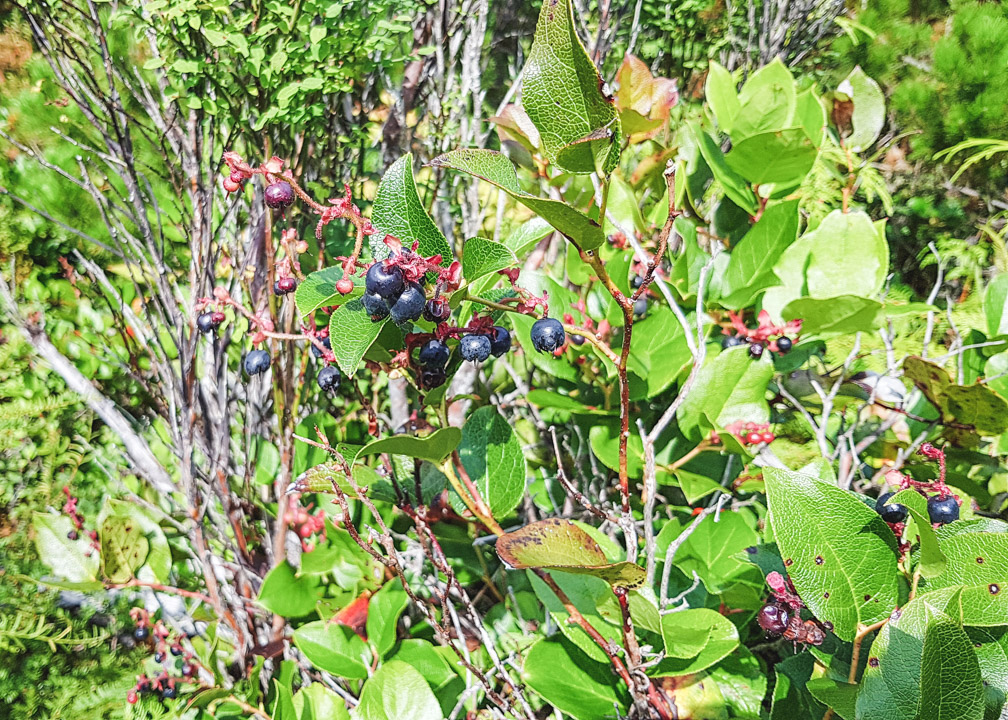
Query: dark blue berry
[[732, 341], [437, 310], [169, 693], [640, 307], [279, 195], [375, 306], [159, 657], [256, 362], [326, 342], [942, 511], [577, 340], [890, 512], [475, 348], [547, 335], [385, 282], [500, 341], [773, 618], [186, 670], [176, 650], [783, 344], [205, 322], [636, 281], [141, 633], [329, 378], [409, 306], [756, 350], [285, 286], [434, 355], [433, 378]]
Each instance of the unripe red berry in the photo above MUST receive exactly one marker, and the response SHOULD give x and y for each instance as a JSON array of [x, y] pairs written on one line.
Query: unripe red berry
[[767, 437], [305, 531], [131, 697], [753, 438], [230, 185], [236, 177], [344, 286]]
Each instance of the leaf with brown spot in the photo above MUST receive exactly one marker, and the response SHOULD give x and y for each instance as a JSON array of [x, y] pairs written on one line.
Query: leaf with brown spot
[[559, 544]]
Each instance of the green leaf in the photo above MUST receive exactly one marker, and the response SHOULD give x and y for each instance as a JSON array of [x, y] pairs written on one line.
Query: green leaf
[[975, 558], [743, 684], [838, 695], [750, 266], [562, 95], [695, 639], [423, 657], [584, 690], [782, 157], [283, 702], [481, 256], [589, 595], [434, 447], [827, 317], [975, 405], [66, 558], [318, 289], [713, 550], [869, 109], [317, 702], [839, 553], [952, 688], [658, 353], [384, 610], [995, 305], [128, 529], [334, 648], [398, 211], [352, 333], [767, 102], [729, 387], [560, 544], [123, 548], [735, 186], [496, 169], [394, 692], [932, 561], [722, 96], [493, 458], [845, 255], [286, 594]]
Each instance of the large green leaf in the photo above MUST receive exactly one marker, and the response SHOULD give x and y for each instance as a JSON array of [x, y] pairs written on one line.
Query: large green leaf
[[584, 690], [868, 116], [974, 405], [395, 692], [766, 100], [714, 550], [481, 256], [975, 558], [560, 544], [839, 553], [317, 702], [434, 447], [351, 333], [562, 95], [658, 353], [286, 594], [318, 289], [842, 315], [67, 559], [921, 665], [398, 211], [781, 157], [995, 305], [846, 254], [840, 696], [384, 610], [750, 267], [590, 596], [694, 639], [497, 170], [493, 458], [735, 186], [132, 542], [729, 387], [334, 648], [722, 96]]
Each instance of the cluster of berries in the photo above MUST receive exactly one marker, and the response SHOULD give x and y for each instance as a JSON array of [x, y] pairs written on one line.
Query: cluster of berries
[[942, 505], [387, 293], [307, 525], [767, 335], [748, 433], [164, 683], [781, 615]]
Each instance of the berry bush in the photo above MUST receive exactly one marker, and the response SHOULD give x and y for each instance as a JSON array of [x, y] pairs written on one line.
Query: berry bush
[[653, 439]]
